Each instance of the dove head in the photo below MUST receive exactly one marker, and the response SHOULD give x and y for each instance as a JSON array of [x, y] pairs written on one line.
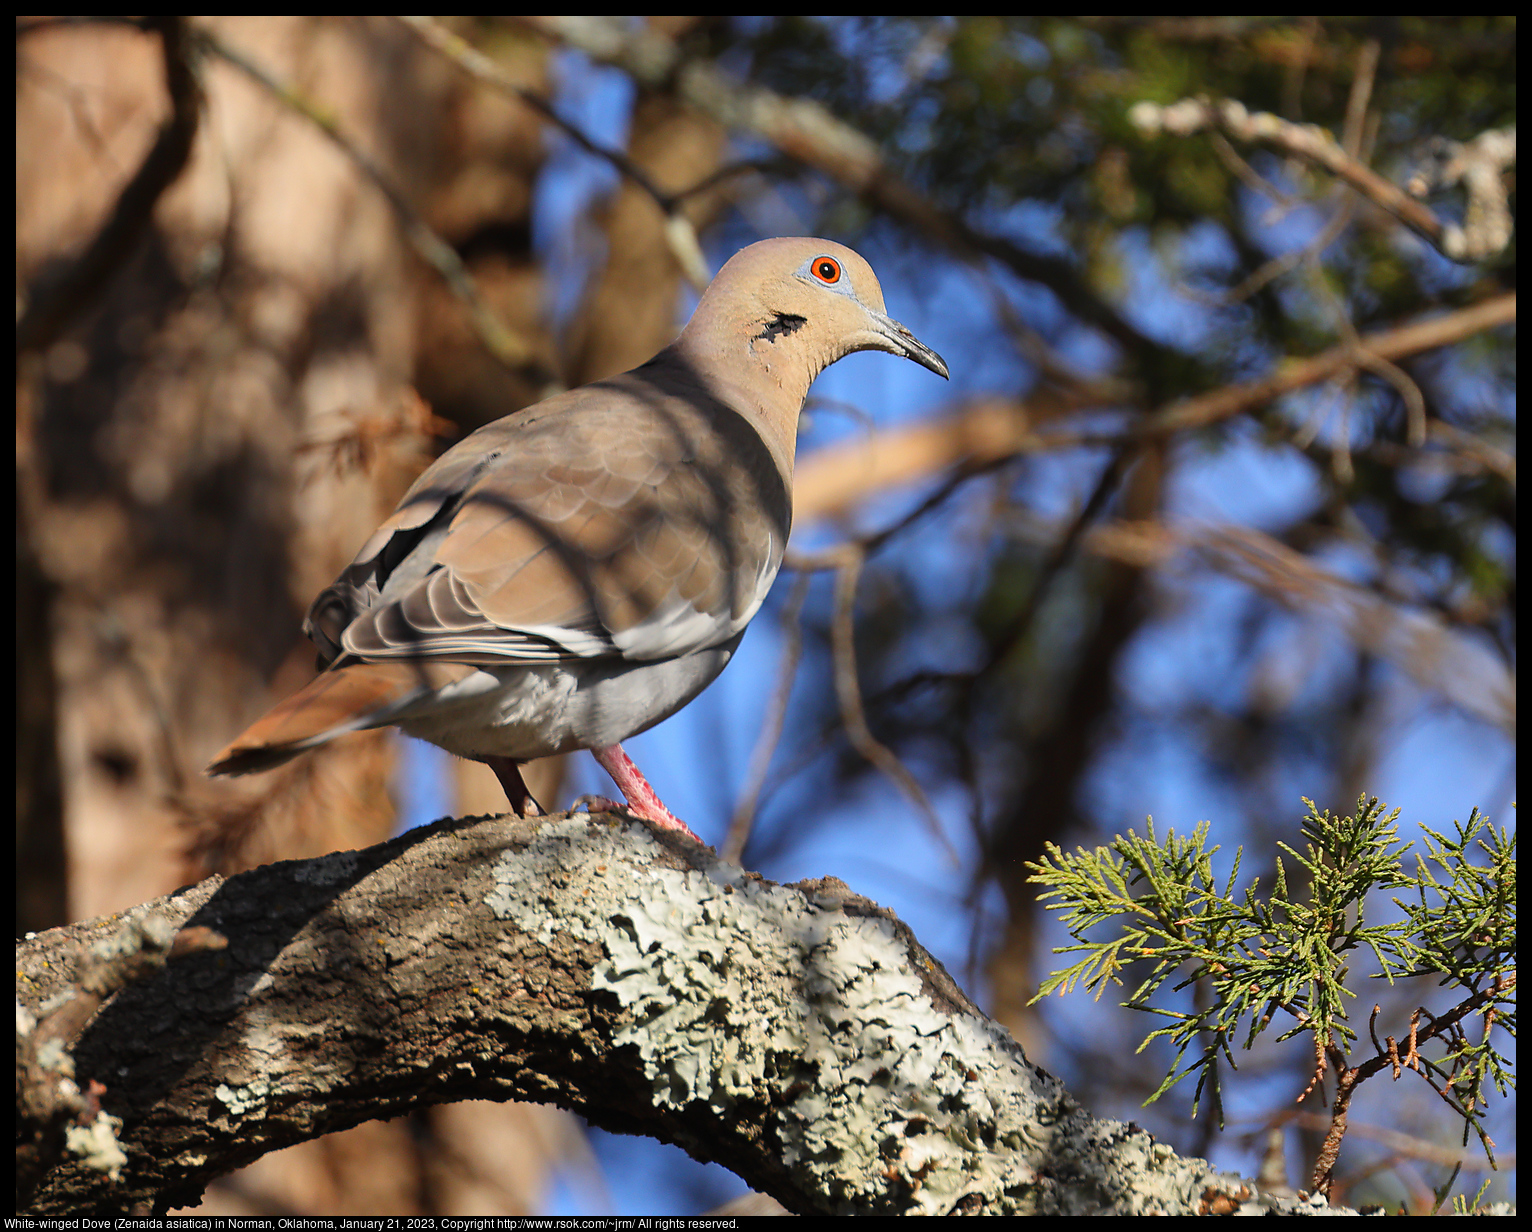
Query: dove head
[[779, 313]]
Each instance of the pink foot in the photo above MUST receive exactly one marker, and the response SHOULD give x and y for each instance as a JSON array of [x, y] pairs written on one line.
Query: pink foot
[[642, 799]]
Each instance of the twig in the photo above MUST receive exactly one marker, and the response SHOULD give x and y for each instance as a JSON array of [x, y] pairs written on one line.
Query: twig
[[1400, 1145], [1418, 642], [1392, 344], [1063, 550], [771, 731], [1472, 243], [1409, 393], [1350, 1077], [1361, 94], [848, 693], [1477, 451]]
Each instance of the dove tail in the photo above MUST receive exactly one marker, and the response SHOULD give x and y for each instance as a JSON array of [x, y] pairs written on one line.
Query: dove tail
[[341, 700]]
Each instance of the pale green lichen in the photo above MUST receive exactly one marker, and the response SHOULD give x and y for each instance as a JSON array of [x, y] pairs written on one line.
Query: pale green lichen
[[740, 990], [241, 1101], [96, 1144]]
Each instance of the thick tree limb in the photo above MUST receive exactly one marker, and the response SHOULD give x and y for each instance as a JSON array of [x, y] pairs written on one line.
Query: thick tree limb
[[797, 1034]]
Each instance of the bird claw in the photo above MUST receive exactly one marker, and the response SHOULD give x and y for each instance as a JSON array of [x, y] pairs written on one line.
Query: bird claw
[[666, 820]]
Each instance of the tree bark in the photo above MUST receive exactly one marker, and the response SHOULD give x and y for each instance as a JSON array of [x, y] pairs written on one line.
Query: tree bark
[[797, 1034]]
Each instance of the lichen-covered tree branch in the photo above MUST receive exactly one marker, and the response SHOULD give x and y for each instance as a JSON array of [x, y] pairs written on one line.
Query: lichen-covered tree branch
[[798, 1034]]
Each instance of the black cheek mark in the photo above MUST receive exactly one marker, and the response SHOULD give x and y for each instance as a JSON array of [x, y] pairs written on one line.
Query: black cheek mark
[[782, 324]]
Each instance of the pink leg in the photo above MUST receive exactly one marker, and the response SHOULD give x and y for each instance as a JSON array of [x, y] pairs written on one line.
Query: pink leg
[[642, 799]]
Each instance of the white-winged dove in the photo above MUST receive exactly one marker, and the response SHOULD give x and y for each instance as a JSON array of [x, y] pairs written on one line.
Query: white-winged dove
[[568, 576]]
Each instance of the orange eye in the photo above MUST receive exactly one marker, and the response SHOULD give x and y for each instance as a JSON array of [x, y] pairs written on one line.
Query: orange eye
[[826, 269]]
